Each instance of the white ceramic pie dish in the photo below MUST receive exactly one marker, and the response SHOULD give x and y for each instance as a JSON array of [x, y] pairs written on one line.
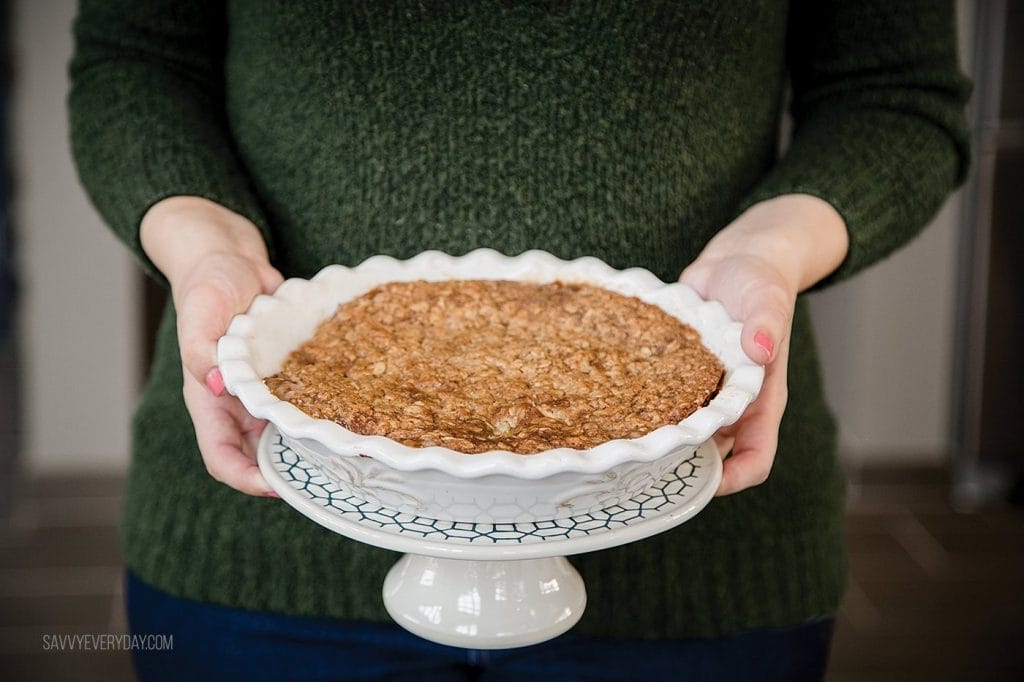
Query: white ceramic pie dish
[[491, 487]]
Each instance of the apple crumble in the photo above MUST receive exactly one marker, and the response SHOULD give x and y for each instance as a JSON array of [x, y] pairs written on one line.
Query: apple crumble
[[477, 365]]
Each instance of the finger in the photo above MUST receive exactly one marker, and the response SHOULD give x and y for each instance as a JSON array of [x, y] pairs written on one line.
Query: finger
[[723, 442], [757, 433], [251, 440], [252, 430], [222, 443], [753, 454], [228, 451], [249, 423]]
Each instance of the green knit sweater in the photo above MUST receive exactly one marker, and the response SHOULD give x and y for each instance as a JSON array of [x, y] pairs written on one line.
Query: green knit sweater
[[627, 131]]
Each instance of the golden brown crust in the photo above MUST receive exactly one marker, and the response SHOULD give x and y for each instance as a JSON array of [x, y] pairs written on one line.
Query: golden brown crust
[[477, 365]]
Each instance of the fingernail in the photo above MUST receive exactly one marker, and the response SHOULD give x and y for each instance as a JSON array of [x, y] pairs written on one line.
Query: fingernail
[[764, 342], [271, 493], [215, 382]]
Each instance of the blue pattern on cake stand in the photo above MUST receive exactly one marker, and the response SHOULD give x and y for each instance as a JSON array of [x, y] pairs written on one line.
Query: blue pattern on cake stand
[[675, 495]]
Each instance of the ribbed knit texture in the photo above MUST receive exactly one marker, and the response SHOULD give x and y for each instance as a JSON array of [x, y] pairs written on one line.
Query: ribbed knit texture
[[628, 131]]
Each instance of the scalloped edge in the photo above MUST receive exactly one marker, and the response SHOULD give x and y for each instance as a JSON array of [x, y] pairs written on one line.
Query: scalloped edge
[[743, 378]]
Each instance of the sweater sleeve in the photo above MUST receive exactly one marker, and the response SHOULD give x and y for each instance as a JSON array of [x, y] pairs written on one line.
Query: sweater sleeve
[[879, 126], [147, 113]]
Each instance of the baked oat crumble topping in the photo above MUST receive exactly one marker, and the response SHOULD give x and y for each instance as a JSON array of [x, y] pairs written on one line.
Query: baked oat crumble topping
[[478, 365]]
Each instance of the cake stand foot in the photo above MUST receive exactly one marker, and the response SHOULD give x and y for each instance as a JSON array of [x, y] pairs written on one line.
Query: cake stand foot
[[484, 604]]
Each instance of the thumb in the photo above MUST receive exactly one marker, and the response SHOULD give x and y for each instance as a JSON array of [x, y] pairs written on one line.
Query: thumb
[[204, 313], [766, 323], [270, 278]]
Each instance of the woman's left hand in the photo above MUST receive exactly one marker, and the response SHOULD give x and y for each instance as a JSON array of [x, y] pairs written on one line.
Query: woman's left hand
[[755, 267]]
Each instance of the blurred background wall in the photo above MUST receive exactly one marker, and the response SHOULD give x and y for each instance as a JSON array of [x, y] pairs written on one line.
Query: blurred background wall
[[79, 326], [887, 338]]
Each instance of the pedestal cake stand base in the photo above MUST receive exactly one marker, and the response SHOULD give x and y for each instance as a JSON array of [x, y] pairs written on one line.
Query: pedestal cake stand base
[[487, 585]]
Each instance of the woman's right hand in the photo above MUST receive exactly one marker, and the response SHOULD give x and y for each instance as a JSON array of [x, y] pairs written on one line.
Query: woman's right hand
[[216, 262]]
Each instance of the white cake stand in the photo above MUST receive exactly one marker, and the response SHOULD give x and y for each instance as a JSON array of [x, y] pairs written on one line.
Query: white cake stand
[[493, 585]]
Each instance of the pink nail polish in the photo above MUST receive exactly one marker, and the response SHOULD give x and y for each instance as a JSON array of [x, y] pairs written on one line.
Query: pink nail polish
[[215, 382], [764, 342]]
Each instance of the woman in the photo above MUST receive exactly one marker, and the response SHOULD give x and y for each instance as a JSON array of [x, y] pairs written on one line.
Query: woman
[[231, 145]]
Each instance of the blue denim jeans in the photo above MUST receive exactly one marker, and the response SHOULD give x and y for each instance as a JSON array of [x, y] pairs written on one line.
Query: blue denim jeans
[[217, 643]]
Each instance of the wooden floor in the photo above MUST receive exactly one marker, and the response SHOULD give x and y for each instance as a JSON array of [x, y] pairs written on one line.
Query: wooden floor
[[934, 595]]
